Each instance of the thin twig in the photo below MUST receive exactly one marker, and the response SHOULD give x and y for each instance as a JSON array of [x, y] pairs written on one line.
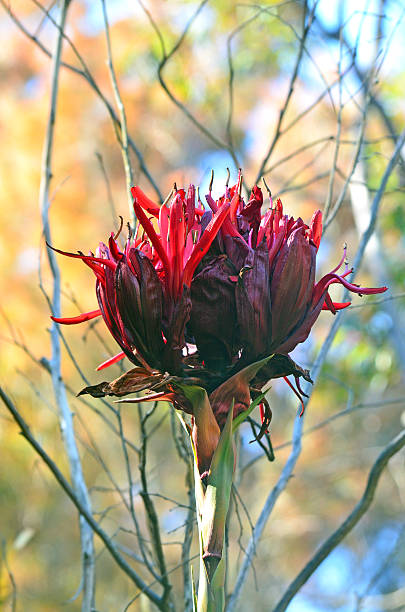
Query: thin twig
[[11, 577], [307, 23], [184, 453], [220, 144], [108, 188], [123, 140], [151, 514], [131, 507]]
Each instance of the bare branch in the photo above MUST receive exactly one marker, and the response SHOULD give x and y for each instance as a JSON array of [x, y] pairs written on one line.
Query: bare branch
[[307, 23], [10, 574], [165, 58], [66, 421], [109, 544], [348, 524], [152, 517]]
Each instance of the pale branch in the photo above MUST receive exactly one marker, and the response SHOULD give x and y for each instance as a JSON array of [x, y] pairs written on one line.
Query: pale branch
[[95, 527], [377, 201], [108, 188], [303, 185], [231, 73], [348, 524], [329, 195], [375, 101], [298, 423], [330, 213], [289, 184], [183, 450], [45, 364], [385, 565], [187, 541], [313, 104], [273, 12], [396, 296], [184, 562], [299, 150], [65, 418]]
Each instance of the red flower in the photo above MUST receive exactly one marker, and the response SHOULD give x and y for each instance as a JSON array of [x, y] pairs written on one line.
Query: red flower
[[237, 285]]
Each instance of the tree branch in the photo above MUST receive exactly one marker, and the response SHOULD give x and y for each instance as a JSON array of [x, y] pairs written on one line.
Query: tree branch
[[111, 547], [348, 524], [65, 416]]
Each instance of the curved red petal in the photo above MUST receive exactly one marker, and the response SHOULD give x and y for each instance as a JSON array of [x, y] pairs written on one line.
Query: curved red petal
[[111, 361], [86, 316], [144, 201]]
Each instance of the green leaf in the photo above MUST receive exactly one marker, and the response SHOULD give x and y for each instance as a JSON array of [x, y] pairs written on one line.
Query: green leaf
[[206, 431], [243, 415]]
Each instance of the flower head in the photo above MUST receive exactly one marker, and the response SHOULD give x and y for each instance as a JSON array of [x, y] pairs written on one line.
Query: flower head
[[197, 297]]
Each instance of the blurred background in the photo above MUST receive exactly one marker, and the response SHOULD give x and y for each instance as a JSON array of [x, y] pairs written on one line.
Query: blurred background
[[309, 95]]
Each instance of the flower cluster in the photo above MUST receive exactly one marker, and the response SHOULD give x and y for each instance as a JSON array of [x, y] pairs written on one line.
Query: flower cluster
[[196, 296]]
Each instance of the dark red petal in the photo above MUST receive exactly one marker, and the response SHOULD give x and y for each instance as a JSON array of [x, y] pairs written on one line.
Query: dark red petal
[[291, 286], [138, 302], [86, 316], [253, 303]]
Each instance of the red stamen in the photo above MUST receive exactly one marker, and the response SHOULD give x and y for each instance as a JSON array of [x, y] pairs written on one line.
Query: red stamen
[[296, 393]]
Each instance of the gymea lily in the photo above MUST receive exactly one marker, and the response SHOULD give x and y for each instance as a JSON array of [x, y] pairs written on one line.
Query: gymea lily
[[208, 305]]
